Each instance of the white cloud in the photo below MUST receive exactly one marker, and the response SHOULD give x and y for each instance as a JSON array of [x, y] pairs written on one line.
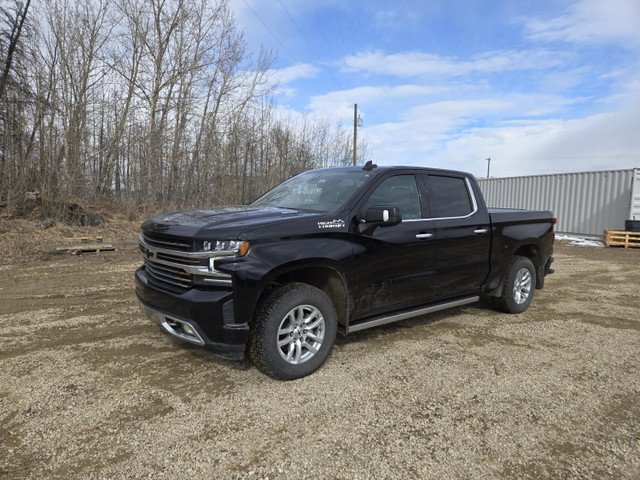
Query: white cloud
[[294, 72], [591, 21], [518, 147], [419, 126], [460, 134], [596, 142], [287, 93], [385, 17], [416, 63], [424, 128], [339, 104]]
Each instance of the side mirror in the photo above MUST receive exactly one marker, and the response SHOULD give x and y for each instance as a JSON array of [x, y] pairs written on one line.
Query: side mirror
[[381, 216]]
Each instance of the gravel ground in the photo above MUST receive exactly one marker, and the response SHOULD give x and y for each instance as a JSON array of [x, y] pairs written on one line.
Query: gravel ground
[[90, 389]]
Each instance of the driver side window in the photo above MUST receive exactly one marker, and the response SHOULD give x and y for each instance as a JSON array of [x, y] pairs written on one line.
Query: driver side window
[[399, 191]]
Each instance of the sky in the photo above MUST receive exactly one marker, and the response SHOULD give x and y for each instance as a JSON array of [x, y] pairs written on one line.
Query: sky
[[537, 86]]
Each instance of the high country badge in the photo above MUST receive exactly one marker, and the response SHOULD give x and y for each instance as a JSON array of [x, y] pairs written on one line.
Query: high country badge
[[337, 223]]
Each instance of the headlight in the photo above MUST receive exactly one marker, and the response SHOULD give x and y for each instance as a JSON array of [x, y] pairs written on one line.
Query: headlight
[[238, 247]]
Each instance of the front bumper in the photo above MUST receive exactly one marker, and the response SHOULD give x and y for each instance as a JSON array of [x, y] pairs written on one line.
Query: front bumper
[[204, 317]]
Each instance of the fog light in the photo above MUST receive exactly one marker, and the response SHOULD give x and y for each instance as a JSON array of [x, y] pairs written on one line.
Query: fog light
[[188, 329]]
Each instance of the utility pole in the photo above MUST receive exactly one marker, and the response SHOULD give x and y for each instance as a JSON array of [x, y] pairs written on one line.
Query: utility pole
[[355, 132], [488, 166], [357, 122]]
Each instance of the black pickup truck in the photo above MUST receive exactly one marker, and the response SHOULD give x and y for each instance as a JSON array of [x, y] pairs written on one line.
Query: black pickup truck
[[336, 249]]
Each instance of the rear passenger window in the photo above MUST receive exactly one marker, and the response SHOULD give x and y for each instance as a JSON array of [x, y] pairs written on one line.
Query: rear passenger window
[[448, 197]]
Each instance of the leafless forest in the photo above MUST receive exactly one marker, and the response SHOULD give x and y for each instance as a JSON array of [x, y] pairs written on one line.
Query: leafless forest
[[156, 101]]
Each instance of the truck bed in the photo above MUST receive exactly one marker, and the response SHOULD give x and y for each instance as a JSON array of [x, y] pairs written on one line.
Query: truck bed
[[515, 215]]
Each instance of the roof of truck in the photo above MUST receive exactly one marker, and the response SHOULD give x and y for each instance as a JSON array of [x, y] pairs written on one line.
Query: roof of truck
[[386, 168]]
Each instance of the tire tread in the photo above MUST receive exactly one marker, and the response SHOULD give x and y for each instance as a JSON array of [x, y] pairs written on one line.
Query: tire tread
[[256, 345], [505, 302]]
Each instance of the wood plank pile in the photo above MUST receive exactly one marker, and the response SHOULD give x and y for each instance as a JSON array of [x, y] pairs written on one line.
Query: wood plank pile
[[80, 245]]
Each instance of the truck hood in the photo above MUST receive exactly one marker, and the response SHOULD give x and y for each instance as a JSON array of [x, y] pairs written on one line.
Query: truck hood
[[223, 223]]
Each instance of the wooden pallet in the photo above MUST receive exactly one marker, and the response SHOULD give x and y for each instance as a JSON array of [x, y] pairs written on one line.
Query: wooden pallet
[[86, 239], [82, 248], [92, 249], [621, 238]]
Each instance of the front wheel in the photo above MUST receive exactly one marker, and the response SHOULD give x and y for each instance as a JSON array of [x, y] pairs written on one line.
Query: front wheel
[[293, 332], [519, 286]]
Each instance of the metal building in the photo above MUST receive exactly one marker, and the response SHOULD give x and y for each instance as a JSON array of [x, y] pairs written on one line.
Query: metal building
[[584, 203]]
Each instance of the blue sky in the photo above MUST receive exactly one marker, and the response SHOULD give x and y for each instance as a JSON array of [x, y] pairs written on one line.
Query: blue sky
[[538, 86]]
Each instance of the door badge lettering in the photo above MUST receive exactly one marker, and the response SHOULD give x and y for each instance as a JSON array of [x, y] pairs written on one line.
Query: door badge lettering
[[336, 223]]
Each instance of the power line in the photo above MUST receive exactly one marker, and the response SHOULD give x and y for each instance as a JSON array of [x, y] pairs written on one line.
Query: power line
[[298, 63], [309, 43]]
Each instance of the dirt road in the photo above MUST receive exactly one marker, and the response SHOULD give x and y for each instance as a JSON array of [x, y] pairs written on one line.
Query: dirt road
[[91, 389]]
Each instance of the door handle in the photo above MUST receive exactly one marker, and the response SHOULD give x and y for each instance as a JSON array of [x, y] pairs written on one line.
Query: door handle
[[424, 235], [480, 231]]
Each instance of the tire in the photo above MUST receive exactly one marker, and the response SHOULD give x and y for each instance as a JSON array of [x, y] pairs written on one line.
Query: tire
[[519, 286], [279, 345]]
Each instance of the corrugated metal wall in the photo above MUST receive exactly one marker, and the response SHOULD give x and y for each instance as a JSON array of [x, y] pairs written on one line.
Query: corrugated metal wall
[[635, 196], [583, 203]]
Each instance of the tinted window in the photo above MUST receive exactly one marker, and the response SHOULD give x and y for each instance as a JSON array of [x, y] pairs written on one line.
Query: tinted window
[[448, 197], [399, 191]]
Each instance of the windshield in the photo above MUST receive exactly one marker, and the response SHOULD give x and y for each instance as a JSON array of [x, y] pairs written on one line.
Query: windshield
[[318, 190]]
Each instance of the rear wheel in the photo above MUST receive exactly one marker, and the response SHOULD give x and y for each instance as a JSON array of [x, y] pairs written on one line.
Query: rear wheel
[[519, 286], [293, 332]]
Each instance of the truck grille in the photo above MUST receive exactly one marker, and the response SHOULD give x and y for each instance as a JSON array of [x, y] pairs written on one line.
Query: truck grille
[[167, 275], [179, 244], [172, 265], [178, 259]]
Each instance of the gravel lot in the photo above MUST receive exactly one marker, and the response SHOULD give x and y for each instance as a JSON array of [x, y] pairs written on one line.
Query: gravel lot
[[91, 389]]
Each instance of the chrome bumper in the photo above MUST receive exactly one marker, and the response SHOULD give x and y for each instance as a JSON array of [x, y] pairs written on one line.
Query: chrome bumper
[[178, 328]]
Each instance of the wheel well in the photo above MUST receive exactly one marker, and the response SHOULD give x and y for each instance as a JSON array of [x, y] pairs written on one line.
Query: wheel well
[[529, 251], [324, 278]]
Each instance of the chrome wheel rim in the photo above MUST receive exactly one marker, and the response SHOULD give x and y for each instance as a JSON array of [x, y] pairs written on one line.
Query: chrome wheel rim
[[522, 286], [300, 334]]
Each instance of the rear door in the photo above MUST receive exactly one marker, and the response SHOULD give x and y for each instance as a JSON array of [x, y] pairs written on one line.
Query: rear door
[[462, 235], [394, 266]]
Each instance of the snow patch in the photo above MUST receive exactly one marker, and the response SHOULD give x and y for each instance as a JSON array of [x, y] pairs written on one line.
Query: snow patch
[[580, 241]]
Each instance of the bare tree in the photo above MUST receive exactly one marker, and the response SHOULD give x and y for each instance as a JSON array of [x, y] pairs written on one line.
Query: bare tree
[[14, 97], [154, 102], [14, 18]]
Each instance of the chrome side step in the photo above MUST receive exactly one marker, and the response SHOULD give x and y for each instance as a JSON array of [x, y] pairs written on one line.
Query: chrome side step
[[377, 321]]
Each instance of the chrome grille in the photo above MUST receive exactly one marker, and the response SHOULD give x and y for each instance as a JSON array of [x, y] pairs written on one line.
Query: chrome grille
[[182, 245], [180, 259], [177, 270], [168, 275]]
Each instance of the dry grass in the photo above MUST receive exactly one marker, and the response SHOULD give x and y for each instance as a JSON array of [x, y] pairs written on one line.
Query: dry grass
[[28, 229], [22, 239]]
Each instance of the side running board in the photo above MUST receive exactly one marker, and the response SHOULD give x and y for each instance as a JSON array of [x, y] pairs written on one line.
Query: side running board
[[396, 317]]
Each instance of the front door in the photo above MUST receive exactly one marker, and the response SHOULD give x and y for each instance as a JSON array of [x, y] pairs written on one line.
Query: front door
[[394, 266]]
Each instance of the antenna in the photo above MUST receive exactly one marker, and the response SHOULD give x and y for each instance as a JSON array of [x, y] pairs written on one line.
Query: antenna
[[369, 166]]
